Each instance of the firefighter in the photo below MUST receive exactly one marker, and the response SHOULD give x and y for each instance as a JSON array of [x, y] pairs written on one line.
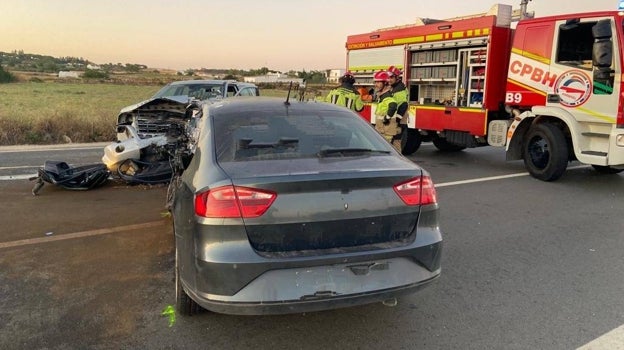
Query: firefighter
[[399, 92], [346, 94], [385, 107]]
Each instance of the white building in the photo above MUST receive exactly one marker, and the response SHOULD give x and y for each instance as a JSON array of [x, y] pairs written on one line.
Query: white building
[[69, 74], [273, 78], [334, 74]]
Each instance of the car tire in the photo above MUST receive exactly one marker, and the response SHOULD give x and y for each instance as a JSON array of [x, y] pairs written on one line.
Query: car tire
[[410, 141], [545, 152], [602, 169], [443, 145], [184, 304]]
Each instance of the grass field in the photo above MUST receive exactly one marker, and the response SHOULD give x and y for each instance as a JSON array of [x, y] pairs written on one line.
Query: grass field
[[52, 112], [47, 113]]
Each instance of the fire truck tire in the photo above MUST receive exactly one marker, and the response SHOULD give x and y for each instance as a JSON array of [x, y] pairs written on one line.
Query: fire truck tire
[[545, 152], [443, 145], [410, 141], [606, 169]]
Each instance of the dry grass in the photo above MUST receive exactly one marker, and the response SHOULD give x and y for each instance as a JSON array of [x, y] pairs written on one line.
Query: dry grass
[[53, 112], [48, 113]]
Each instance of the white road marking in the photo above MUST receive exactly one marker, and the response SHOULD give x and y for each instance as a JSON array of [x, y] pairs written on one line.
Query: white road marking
[[45, 148], [23, 176], [81, 234], [613, 340], [18, 167], [481, 179], [17, 177], [48, 149], [492, 178]]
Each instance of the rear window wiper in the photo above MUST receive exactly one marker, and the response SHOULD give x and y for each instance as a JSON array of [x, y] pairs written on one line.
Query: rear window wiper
[[348, 151]]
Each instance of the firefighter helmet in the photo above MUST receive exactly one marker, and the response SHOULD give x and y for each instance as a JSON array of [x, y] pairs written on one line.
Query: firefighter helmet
[[348, 78], [394, 71], [382, 75]]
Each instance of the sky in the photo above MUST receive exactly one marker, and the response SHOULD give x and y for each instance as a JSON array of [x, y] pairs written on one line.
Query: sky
[[281, 35]]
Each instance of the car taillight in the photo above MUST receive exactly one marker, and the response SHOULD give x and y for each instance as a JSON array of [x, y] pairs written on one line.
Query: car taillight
[[417, 191], [233, 202]]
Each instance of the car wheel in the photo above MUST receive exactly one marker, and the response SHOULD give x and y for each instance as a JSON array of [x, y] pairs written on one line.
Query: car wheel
[[184, 304], [545, 152], [606, 169], [410, 141], [443, 145]]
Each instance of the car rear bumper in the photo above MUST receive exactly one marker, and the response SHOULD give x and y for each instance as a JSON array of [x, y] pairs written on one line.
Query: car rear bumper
[[308, 304], [305, 287]]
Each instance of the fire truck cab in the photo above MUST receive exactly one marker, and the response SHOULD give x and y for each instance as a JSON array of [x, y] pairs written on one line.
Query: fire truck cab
[[549, 91]]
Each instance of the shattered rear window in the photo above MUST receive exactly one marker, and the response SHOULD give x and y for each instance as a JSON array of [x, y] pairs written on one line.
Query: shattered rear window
[[272, 135]]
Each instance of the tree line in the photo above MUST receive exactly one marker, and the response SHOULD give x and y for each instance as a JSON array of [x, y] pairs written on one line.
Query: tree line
[[18, 60]]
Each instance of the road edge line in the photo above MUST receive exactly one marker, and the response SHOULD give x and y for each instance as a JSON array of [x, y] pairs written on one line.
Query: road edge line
[[97, 232], [612, 340]]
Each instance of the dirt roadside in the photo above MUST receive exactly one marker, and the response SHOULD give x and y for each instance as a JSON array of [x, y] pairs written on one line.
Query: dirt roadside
[[86, 292]]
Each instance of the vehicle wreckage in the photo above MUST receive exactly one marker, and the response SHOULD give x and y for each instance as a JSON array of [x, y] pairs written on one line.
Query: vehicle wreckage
[[154, 138]]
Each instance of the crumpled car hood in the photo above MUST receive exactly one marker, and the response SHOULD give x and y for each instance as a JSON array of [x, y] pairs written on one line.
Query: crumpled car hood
[[157, 109]]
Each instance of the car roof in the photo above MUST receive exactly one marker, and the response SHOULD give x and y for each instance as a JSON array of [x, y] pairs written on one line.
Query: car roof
[[250, 103], [209, 81]]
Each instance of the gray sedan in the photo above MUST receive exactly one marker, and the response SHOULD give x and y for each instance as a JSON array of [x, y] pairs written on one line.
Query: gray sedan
[[291, 207]]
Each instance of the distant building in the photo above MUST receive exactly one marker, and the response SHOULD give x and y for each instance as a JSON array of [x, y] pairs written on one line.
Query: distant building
[[69, 74], [93, 67], [205, 75], [334, 74], [273, 78]]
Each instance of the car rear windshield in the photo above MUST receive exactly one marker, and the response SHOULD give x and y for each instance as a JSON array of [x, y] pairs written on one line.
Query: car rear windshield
[[273, 135]]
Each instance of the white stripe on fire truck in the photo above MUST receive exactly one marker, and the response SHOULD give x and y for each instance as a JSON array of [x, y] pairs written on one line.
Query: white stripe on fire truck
[[597, 115], [531, 56], [524, 86]]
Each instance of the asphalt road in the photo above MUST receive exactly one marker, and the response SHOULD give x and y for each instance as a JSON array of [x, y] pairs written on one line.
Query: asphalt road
[[526, 265]]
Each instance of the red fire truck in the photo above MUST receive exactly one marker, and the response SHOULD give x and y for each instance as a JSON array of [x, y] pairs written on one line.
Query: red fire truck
[[549, 91]]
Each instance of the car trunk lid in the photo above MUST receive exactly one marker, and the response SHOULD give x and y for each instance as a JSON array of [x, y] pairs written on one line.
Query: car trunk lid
[[345, 203]]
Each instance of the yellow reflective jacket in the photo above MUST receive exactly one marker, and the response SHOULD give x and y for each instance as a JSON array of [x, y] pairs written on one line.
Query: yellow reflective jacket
[[399, 92], [386, 105], [344, 96]]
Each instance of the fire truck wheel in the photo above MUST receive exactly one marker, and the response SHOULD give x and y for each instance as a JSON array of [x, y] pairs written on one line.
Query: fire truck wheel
[[410, 141], [443, 145], [545, 152], [606, 169]]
